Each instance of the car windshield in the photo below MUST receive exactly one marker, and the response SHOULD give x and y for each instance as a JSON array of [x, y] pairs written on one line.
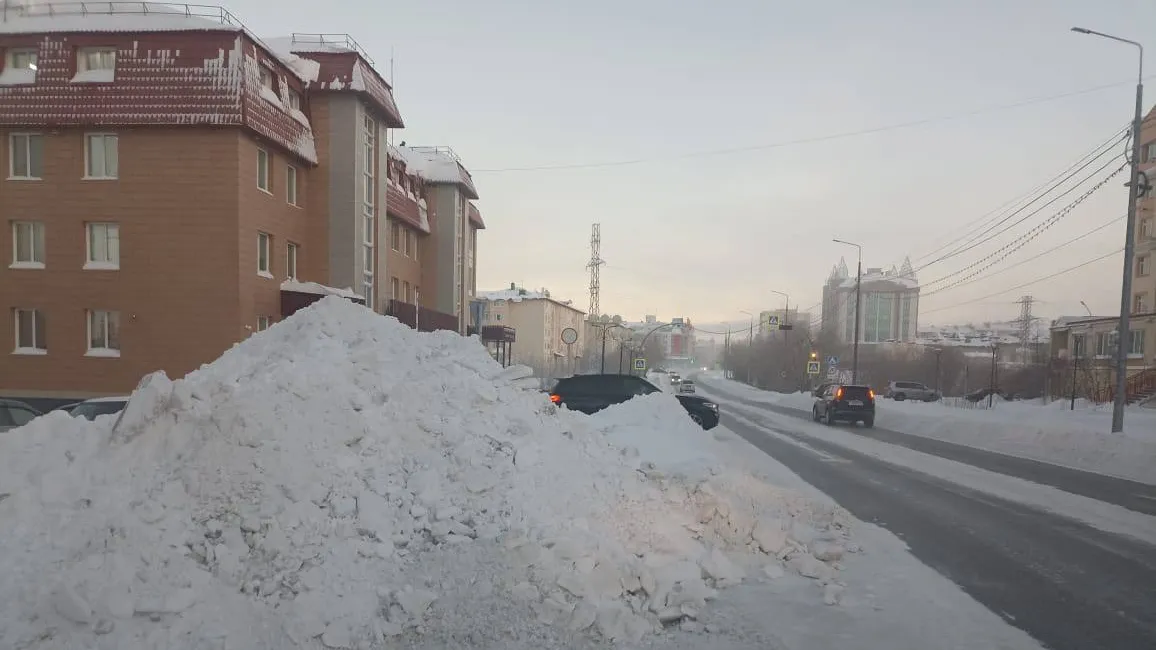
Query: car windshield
[[856, 392], [90, 410]]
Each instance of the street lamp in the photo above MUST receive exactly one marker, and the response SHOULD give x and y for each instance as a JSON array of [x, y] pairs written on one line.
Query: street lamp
[[750, 343], [1123, 341], [858, 294], [786, 305]]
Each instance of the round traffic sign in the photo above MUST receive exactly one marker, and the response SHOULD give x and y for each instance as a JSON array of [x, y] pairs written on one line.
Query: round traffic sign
[[569, 336]]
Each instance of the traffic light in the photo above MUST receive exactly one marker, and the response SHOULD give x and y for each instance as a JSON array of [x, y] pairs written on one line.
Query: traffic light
[[814, 355]]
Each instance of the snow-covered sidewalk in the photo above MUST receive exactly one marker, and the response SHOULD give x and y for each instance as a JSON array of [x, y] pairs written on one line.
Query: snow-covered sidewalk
[[341, 481], [1080, 439]]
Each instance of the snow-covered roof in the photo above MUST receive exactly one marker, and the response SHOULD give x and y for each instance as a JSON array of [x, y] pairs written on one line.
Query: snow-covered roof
[[35, 17], [317, 289], [519, 295], [437, 165]]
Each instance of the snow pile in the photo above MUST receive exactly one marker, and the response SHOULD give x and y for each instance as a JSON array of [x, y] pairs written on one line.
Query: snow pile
[[341, 481]]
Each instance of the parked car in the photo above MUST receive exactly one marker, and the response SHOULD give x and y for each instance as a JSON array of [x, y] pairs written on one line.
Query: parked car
[[14, 413], [846, 402], [592, 393], [90, 409], [901, 390], [687, 386]]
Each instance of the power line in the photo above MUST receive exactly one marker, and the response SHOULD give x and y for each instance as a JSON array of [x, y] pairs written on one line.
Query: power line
[[810, 140], [1008, 249], [974, 242], [1026, 284], [1025, 261], [1045, 188]]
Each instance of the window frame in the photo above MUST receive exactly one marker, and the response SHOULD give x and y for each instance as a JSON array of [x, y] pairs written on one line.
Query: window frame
[[1140, 303], [29, 137], [12, 53], [292, 249], [291, 185], [39, 347], [88, 153], [91, 264], [394, 235], [82, 61], [1143, 266], [1135, 350], [111, 321], [293, 99], [38, 228], [394, 288], [265, 247], [264, 171], [264, 322]]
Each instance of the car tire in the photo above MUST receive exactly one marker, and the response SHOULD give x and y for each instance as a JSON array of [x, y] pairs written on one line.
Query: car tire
[[899, 397], [828, 420], [869, 422], [815, 413], [697, 419]]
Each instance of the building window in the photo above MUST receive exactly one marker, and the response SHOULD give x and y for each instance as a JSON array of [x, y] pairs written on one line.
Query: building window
[[25, 156], [1145, 228], [103, 246], [291, 184], [412, 236], [1104, 344], [263, 323], [405, 242], [416, 294], [103, 333], [1136, 342], [405, 291], [101, 156], [367, 290], [266, 77], [1150, 152], [27, 245], [369, 136], [291, 261], [294, 100], [1140, 303], [30, 334], [263, 183], [367, 263], [393, 289], [264, 246], [95, 65], [395, 236], [1079, 345], [1143, 265]]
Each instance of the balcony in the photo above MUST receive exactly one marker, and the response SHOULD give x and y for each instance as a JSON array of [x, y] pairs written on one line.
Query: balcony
[[420, 318], [402, 206]]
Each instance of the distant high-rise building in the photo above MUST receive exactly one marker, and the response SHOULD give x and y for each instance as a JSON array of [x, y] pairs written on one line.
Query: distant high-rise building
[[889, 304]]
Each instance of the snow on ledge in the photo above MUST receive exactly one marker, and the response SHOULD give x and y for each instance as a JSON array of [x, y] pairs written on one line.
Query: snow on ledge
[[318, 289], [17, 76], [154, 21], [95, 76]]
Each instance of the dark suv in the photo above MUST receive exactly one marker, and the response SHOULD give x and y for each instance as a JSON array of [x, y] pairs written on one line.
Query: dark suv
[[845, 402], [592, 393]]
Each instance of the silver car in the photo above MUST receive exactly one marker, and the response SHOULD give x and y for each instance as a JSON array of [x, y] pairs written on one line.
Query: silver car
[[901, 390], [686, 386]]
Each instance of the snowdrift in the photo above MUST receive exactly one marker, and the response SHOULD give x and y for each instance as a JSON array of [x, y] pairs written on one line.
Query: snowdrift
[[342, 481]]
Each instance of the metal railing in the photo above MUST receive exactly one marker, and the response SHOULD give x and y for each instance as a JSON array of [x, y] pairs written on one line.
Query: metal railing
[[19, 9], [336, 41]]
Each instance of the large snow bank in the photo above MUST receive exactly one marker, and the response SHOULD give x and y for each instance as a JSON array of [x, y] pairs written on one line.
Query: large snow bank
[[342, 481], [1080, 439]]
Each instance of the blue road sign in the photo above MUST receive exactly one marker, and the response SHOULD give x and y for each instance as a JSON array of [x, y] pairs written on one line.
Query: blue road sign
[[832, 361]]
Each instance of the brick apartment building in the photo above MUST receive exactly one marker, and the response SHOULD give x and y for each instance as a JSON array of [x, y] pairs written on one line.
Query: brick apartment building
[[167, 172]]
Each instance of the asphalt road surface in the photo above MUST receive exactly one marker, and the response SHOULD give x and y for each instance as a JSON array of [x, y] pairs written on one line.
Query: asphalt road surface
[[1139, 497], [1070, 586]]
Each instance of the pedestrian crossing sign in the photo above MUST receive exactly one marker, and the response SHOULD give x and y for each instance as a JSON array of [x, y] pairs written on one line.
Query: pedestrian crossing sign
[[812, 367]]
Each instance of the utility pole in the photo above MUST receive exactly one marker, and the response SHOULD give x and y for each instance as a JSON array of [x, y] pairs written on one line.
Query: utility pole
[[938, 354], [991, 387], [1123, 329]]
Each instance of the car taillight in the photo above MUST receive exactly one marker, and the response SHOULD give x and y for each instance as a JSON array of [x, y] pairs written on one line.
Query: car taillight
[[557, 399], [870, 394], [839, 394]]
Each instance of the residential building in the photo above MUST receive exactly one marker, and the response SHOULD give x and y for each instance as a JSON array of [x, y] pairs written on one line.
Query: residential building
[[1089, 342], [442, 228], [889, 304], [539, 321], [168, 173], [676, 338]]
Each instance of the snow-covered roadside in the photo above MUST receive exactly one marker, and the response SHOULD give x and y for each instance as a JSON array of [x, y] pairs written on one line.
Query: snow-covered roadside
[[1098, 514], [1078, 439], [890, 590], [340, 481]]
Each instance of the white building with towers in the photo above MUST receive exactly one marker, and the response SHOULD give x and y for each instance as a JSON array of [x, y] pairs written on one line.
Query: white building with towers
[[889, 309]]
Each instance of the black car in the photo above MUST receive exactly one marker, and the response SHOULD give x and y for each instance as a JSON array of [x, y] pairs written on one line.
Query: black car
[[14, 413], [592, 393], [846, 402]]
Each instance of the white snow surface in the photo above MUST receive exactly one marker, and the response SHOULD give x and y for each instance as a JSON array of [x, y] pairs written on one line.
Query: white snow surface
[[342, 481], [30, 17], [317, 289], [1051, 433]]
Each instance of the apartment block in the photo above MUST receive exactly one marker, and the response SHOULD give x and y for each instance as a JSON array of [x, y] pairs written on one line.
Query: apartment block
[[889, 304], [168, 173], [539, 320]]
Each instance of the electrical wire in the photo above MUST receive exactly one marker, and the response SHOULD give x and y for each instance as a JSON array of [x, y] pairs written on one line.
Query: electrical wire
[[810, 140], [1026, 284], [1043, 188]]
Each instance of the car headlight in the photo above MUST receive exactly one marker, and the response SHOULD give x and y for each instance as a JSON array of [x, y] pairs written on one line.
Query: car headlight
[[711, 405]]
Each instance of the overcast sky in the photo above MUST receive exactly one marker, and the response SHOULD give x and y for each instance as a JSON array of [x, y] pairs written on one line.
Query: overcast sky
[[525, 83]]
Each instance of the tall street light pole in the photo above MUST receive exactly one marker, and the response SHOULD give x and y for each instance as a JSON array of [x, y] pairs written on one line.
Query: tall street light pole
[[786, 305], [750, 344], [858, 299], [1123, 336]]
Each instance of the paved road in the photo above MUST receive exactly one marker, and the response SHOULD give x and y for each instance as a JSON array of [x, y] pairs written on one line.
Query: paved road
[[1139, 497], [1070, 586]]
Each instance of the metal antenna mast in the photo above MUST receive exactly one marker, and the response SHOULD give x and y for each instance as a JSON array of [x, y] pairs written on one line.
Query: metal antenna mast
[[1025, 322], [595, 265]]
